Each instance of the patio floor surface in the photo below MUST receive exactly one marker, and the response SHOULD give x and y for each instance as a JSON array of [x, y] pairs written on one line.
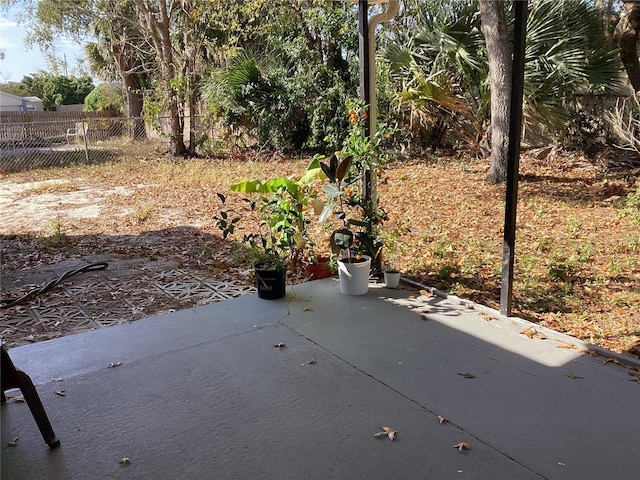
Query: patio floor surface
[[204, 394]]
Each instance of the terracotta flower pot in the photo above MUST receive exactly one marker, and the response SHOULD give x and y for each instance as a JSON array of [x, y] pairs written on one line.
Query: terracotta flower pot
[[315, 271]]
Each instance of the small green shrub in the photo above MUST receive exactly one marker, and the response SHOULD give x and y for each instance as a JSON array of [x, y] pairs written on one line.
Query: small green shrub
[[631, 207]]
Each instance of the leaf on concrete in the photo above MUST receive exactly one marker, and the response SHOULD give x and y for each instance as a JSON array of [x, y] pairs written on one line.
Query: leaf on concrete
[[567, 345], [280, 345], [308, 309], [313, 361], [573, 377], [635, 374], [462, 446], [125, 462], [533, 333], [59, 393], [13, 443], [388, 432], [114, 364], [467, 375], [486, 317], [16, 399], [441, 419], [613, 360]]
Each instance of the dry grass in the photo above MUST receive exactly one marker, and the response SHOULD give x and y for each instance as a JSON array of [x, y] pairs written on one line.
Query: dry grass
[[577, 258]]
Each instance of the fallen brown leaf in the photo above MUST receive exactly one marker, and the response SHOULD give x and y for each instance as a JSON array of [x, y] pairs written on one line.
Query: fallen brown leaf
[[462, 446], [486, 317], [280, 345], [613, 360], [308, 309], [313, 361], [567, 345], [441, 419], [388, 432], [533, 333]]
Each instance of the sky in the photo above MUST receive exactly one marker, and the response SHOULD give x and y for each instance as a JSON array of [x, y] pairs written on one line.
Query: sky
[[19, 60]]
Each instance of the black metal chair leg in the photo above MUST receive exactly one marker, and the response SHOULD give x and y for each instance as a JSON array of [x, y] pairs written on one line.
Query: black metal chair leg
[[14, 378]]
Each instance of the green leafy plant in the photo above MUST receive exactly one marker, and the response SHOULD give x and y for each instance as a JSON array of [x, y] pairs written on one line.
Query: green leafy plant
[[393, 246], [281, 234], [348, 173], [631, 207]]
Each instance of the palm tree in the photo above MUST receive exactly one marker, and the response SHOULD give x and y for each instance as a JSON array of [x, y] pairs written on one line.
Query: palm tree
[[568, 54]]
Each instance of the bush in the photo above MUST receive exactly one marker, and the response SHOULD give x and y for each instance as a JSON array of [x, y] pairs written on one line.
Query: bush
[[631, 207]]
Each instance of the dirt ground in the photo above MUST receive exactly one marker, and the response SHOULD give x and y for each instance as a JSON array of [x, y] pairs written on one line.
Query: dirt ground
[[145, 274]]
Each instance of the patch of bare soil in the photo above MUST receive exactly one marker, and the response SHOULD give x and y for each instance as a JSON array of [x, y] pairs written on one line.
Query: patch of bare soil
[[577, 255]]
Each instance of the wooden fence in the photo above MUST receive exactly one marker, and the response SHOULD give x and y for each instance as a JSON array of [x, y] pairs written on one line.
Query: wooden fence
[[35, 117]]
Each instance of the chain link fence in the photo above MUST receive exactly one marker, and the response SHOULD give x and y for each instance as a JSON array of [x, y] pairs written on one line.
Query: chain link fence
[[36, 140]]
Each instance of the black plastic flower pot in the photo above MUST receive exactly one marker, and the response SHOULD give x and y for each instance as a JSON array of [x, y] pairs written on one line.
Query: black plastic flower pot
[[270, 280]]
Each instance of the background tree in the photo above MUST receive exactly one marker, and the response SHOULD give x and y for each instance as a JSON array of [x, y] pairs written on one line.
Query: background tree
[[119, 52], [104, 98], [54, 90], [628, 36], [116, 50], [568, 54], [499, 53], [288, 84], [437, 60]]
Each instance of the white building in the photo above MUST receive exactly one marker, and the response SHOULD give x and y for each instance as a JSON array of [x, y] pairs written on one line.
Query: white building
[[13, 103]]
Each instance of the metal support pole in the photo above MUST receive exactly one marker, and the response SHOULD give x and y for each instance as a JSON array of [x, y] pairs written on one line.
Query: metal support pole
[[365, 67], [515, 133], [365, 81]]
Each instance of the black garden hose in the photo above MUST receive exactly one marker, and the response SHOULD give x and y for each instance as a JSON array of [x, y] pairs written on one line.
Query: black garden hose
[[7, 303]]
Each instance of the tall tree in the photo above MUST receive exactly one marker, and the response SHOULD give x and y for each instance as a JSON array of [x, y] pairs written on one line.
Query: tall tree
[[155, 19], [119, 52], [499, 52], [117, 49], [628, 36]]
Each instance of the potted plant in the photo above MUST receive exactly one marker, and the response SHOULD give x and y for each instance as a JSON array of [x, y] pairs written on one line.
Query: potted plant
[[281, 234], [317, 266], [354, 265], [393, 248], [349, 172]]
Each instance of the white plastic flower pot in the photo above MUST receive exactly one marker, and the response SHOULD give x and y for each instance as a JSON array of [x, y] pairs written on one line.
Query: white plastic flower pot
[[354, 275], [392, 279]]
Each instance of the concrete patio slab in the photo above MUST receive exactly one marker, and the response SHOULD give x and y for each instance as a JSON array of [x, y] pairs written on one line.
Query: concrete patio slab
[[203, 393]]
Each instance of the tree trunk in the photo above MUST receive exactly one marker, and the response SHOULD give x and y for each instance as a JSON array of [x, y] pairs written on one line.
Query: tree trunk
[[157, 23], [132, 95], [628, 36], [499, 52]]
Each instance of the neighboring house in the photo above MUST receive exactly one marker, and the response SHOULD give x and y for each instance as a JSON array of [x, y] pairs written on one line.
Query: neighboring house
[[13, 103]]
